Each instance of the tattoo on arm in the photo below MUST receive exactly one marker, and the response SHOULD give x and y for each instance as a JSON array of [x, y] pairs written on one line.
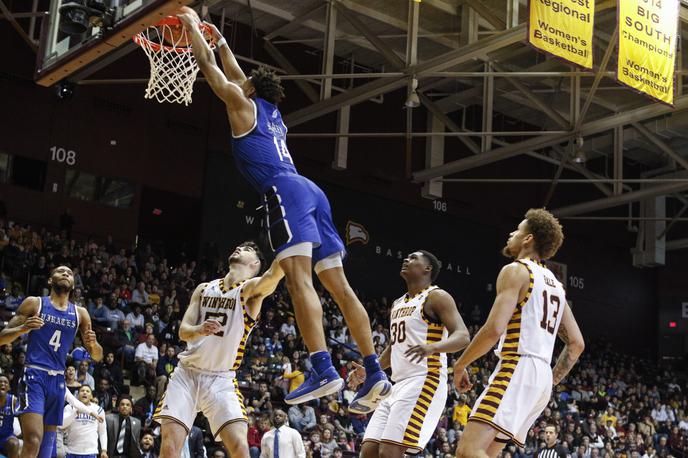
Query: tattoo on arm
[[566, 361]]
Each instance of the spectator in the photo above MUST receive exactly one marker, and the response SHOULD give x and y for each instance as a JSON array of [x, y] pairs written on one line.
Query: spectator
[[106, 395], [14, 300], [71, 382], [114, 315], [288, 327], [328, 443], [82, 375], [296, 377], [135, 317], [145, 407], [256, 431], [302, 417], [123, 431], [461, 411], [282, 441], [146, 358], [140, 295], [166, 365], [148, 446], [109, 369], [194, 444], [379, 332]]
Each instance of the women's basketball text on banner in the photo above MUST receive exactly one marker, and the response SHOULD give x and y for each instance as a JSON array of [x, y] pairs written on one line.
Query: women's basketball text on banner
[[647, 46], [563, 28]]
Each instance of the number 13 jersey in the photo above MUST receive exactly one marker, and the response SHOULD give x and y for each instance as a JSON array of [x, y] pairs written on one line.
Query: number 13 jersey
[[410, 326], [223, 351], [532, 329]]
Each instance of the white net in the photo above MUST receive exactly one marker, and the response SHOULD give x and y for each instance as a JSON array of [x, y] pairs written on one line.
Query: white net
[[173, 66]]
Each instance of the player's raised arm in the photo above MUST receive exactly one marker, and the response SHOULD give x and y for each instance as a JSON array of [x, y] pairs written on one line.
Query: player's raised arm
[[512, 280], [24, 321], [88, 336], [263, 286], [189, 329], [229, 92], [441, 305], [570, 333], [230, 65]]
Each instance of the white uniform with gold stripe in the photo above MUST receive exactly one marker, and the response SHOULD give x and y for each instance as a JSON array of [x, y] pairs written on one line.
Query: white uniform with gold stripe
[[409, 416], [205, 379], [521, 385]]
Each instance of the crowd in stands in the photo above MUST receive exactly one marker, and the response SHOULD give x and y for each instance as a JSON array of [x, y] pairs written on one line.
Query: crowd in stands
[[610, 405]]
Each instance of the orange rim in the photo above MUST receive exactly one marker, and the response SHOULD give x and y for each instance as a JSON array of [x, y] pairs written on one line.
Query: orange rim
[[142, 41]]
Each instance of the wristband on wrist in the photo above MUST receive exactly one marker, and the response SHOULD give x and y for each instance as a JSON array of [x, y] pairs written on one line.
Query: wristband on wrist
[[220, 42]]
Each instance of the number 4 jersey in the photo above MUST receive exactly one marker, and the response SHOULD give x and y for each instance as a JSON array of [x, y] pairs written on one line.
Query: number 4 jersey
[[532, 329], [49, 345], [410, 326], [224, 351]]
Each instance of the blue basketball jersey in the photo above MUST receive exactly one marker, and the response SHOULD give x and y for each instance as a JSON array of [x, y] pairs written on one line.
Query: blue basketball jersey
[[7, 417], [261, 154], [48, 346]]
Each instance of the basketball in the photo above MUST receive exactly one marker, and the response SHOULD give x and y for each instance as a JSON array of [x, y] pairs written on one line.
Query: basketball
[[176, 35]]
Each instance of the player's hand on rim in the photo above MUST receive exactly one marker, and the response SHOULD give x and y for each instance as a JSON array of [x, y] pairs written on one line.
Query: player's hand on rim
[[188, 20], [32, 322], [356, 376], [210, 327], [214, 31], [416, 353], [462, 381]]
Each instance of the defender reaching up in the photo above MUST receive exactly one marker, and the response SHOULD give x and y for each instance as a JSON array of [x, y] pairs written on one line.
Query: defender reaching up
[[216, 326]]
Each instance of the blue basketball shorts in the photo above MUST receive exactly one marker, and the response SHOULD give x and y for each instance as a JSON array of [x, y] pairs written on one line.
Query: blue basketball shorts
[[42, 393], [297, 211]]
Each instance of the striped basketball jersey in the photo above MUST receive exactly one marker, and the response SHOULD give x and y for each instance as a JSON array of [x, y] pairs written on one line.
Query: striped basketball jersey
[[409, 327], [533, 327], [223, 351]]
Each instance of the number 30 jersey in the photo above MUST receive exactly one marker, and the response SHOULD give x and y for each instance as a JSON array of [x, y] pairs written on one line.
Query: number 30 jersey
[[533, 327], [261, 153], [223, 351], [410, 326]]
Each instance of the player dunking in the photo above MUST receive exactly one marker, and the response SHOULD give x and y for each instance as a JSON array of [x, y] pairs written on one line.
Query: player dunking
[[298, 219], [216, 325], [530, 310], [425, 325], [52, 322]]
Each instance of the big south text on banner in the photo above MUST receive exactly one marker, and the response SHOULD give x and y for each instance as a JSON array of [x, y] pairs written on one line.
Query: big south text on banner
[[647, 46]]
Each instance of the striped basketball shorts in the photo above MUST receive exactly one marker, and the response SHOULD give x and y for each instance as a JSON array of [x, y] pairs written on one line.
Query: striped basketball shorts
[[518, 391], [409, 416], [190, 391]]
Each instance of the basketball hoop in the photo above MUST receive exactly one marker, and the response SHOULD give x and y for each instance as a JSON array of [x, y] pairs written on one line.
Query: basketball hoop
[[173, 66]]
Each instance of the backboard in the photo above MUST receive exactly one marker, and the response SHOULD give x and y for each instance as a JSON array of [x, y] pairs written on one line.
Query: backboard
[[83, 35]]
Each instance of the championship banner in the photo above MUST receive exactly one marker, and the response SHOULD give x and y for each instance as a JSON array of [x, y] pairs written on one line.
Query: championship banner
[[563, 28], [647, 46]]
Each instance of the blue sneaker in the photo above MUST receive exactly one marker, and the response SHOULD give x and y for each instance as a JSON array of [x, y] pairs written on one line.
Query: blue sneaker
[[316, 386], [375, 388]]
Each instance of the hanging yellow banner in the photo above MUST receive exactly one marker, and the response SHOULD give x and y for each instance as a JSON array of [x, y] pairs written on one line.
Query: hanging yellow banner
[[647, 46], [563, 28]]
